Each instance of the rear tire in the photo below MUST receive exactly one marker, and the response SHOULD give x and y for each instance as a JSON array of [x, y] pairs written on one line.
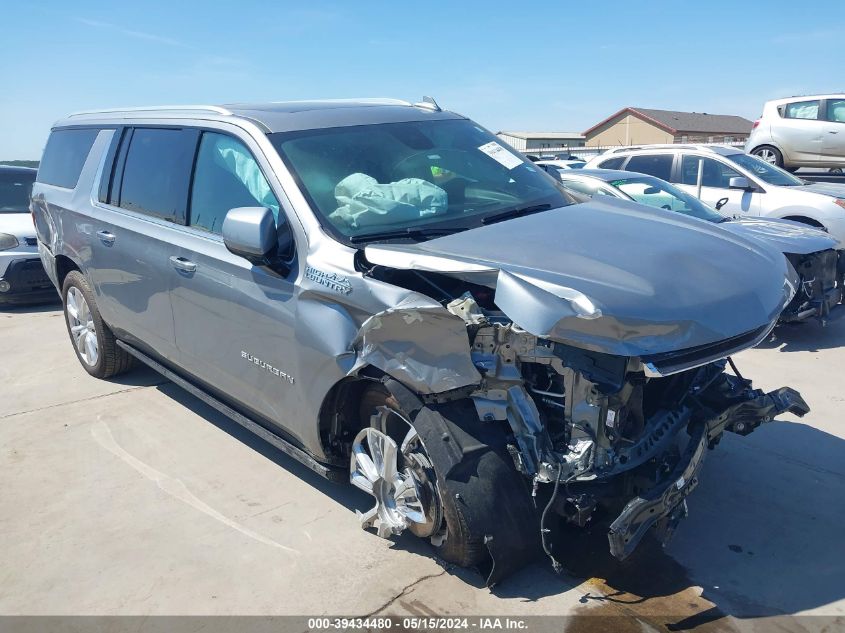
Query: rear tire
[[92, 340], [769, 154]]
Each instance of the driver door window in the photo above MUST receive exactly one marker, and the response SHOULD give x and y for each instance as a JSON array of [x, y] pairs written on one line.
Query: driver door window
[[715, 185], [716, 173], [226, 176]]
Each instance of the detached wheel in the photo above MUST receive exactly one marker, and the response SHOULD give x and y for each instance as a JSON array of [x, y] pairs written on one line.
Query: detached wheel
[[769, 154], [92, 339], [390, 462]]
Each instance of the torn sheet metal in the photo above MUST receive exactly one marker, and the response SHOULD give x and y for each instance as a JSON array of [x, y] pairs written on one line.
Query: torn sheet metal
[[423, 346]]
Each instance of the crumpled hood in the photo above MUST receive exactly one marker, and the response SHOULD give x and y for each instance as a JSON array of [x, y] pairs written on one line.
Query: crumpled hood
[[825, 188], [614, 276], [785, 235]]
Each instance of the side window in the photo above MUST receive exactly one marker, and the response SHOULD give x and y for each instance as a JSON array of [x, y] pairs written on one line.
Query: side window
[[157, 172], [64, 157], [802, 110], [226, 176], [657, 165], [715, 174], [612, 163], [836, 110]]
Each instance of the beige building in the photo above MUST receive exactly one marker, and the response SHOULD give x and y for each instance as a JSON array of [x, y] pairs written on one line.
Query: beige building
[[641, 126]]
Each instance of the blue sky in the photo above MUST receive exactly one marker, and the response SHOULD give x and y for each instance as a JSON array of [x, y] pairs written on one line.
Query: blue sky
[[551, 66]]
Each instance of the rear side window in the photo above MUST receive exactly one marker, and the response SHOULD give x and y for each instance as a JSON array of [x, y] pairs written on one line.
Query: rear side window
[[802, 110], [64, 157], [157, 172], [612, 163], [657, 165]]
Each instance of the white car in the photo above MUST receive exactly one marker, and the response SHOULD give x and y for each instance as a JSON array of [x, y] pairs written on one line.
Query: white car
[[740, 184], [801, 132], [556, 168], [22, 276]]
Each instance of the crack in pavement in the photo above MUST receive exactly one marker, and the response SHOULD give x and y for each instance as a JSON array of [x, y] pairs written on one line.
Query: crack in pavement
[[89, 399], [405, 590]]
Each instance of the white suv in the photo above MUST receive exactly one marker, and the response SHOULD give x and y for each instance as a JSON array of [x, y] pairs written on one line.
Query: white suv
[[22, 276], [741, 184], [801, 132]]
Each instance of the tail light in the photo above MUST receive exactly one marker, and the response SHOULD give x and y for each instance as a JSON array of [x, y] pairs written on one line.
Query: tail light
[[756, 123]]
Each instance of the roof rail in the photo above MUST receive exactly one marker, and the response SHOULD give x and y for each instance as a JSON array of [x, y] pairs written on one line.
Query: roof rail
[[192, 108]]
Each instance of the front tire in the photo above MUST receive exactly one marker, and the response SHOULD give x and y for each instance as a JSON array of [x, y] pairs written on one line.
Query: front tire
[[452, 540], [92, 340]]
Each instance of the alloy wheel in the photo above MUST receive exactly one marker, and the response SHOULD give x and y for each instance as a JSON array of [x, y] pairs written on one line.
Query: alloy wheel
[[767, 155], [82, 328], [400, 479]]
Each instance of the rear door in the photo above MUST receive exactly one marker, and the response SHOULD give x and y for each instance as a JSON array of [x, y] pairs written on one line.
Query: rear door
[[234, 322], [800, 131], [143, 201], [715, 185], [833, 145]]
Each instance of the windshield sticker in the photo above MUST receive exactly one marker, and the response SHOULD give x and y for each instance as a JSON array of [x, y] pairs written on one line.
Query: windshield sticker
[[616, 183], [500, 155]]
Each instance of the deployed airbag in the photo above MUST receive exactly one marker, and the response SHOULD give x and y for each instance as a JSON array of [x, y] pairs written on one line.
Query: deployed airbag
[[364, 202]]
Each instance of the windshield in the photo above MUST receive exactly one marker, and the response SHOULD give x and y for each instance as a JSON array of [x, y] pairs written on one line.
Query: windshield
[[15, 189], [419, 177], [660, 194], [765, 171]]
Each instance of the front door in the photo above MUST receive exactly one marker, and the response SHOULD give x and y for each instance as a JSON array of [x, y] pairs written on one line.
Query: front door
[[234, 322], [715, 183], [833, 145]]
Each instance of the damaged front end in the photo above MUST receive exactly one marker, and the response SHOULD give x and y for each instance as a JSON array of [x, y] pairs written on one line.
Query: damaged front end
[[606, 397], [625, 441], [821, 289], [623, 437]]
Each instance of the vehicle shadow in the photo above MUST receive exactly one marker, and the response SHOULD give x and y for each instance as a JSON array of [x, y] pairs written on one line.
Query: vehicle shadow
[[763, 540], [31, 308], [348, 496], [763, 537], [807, 337]]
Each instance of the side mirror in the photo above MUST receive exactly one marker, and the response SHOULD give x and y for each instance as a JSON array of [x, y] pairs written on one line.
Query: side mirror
[[722, 202], [250, 232], [739, 182]]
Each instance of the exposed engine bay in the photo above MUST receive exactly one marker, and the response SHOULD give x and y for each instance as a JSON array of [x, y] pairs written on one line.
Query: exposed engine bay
[[821, 285], [598, 438]]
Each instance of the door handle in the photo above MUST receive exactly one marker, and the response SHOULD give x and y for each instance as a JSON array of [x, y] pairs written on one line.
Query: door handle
[[833, 131], [180, 263], [106, 237]]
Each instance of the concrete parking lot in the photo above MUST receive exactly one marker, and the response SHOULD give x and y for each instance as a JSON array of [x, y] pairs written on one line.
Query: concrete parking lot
[[132, 497]]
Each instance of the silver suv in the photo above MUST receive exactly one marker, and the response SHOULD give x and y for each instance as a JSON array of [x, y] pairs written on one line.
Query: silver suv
[[801, 132], [390, 296]]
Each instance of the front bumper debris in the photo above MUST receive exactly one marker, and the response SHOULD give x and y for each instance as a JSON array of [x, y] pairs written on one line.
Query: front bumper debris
[[642, 512], [665, 502]]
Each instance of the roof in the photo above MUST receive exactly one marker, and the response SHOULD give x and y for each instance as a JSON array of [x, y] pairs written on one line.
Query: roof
[[840, 95], [282, 116], [722, 150], [673, 121], [531, 136]]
